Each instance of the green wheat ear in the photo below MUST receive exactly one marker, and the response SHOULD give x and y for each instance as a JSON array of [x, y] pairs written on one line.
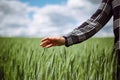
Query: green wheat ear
[[24, 59]]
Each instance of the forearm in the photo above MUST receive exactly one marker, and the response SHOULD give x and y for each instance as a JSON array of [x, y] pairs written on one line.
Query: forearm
[[91, 26]]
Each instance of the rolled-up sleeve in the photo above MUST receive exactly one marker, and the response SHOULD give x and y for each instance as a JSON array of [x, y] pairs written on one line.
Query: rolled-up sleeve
[[91, 26]]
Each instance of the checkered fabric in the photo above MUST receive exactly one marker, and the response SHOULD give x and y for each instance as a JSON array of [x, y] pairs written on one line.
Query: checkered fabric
[[106, 10]]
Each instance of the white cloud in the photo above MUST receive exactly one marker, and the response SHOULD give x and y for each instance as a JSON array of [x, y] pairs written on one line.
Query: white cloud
[[49, 20]]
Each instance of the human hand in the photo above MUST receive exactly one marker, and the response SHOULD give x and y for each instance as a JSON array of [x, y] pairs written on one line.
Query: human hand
[[52, 41]]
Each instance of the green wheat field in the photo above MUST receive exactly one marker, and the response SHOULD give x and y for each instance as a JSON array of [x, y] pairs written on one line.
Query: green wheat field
[[25, 59]]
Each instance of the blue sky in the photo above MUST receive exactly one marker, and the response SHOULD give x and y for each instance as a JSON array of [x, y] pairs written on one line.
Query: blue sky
[[41, 18], [41, 3]]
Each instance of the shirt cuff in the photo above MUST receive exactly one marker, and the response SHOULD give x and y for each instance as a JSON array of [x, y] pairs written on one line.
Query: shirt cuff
[[68, 41]]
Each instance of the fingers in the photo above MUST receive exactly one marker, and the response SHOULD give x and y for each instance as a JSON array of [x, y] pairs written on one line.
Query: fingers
[[49, 38], [45, 43], [44, 39], [49, 42], [48, 46]]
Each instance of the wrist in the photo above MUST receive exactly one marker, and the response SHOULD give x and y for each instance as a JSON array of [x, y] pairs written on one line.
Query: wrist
[[66, 42], [62, 40]]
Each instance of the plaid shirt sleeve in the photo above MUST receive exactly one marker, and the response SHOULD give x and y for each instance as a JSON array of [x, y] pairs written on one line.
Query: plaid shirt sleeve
[[91, 26]]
